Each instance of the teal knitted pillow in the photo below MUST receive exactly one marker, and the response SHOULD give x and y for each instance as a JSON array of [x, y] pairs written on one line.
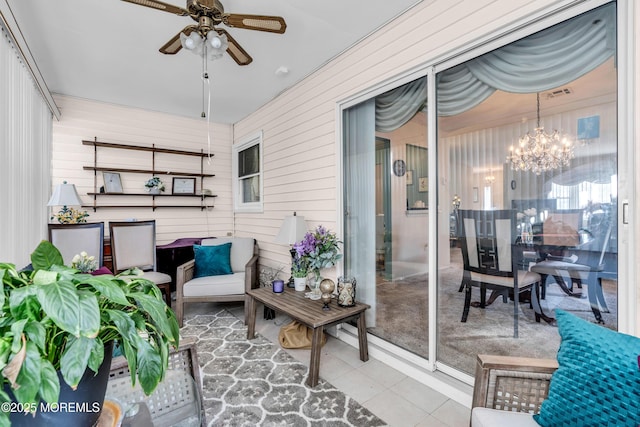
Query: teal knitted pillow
[[212, 260], [598, 379]]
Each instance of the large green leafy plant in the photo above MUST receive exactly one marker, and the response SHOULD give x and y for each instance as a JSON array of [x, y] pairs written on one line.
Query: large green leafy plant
[[55, 318]]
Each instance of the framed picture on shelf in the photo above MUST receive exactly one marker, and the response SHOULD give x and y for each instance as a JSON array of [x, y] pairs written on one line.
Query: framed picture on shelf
[[112, 182], [184, 186], [409, 177], [423, 184]]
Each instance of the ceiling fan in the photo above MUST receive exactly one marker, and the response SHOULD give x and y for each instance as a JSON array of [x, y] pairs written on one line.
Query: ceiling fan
[[208, 14]]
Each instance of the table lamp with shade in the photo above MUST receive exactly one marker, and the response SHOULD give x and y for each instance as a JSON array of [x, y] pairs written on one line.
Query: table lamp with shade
[[65, 195], [292, 230]]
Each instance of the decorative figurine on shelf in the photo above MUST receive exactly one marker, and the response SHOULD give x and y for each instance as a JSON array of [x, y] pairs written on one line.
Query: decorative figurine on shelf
[[326, 287], [154, 185]]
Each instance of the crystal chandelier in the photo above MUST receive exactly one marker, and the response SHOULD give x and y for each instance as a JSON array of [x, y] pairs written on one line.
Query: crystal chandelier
[[541, 151], [490, 179]]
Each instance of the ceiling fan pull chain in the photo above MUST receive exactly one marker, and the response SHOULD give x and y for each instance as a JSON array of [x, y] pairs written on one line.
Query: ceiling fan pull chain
[[205, 78], [208, 124]]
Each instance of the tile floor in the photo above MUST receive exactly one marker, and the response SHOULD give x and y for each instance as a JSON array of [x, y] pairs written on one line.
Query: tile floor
[[394, 397]]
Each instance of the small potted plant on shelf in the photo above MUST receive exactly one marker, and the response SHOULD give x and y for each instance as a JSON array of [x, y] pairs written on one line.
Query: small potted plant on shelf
[[154, 185], [57, 330], [299, 271]]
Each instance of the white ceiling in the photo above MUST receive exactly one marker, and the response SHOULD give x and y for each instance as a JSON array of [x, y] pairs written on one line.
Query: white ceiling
[[107, 50]]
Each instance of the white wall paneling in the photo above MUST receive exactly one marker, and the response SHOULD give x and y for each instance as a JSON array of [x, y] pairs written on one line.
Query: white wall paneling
[[85, 120]]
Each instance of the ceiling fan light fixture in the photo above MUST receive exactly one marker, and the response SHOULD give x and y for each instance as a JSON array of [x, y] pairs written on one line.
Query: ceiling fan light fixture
[[214, 40], [217, 45], [191, 42], [208, 14]]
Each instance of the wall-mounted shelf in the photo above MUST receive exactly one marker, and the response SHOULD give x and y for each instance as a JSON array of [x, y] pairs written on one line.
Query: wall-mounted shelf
[[147, 171], [152, 195], [144, 206], [153, 171]]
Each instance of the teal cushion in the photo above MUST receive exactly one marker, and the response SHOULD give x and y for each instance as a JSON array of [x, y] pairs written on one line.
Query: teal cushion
[[598, 379], [212, 260]]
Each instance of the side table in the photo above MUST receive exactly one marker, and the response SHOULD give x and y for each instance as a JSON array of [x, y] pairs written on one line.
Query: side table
[[311, 314]]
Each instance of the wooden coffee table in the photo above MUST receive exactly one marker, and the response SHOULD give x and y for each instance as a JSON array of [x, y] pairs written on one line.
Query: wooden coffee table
[[309, 313]]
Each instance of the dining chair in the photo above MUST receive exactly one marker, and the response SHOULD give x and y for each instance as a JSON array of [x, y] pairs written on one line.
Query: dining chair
[[133, 244], [71, 239], [490, 257], [584, 266]]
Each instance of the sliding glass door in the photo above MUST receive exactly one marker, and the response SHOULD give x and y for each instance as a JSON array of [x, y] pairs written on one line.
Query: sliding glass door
[[386, 212], [497, 114], [529, 128]]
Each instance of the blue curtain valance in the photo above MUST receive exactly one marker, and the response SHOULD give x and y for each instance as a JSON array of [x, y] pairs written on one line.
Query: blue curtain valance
[[542, 61]]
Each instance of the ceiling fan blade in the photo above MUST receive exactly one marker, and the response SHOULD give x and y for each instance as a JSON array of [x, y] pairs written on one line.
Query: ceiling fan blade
[[271, 24], [173, 46], [235, 50], [158, 5]]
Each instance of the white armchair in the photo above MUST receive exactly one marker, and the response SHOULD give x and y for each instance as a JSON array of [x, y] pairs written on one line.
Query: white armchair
[[225, 287]]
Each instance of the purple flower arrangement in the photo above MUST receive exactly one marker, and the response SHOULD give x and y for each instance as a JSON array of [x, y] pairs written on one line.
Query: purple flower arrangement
[[317, 250]]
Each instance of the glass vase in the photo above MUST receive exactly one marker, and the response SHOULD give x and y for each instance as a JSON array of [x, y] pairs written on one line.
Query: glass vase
[[316, 283]]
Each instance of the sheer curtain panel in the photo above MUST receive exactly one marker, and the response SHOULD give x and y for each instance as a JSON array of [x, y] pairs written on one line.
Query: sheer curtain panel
[[359, 202], [25, 150]]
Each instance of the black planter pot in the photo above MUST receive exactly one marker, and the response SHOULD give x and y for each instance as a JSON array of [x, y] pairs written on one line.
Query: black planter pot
[[80, 407]]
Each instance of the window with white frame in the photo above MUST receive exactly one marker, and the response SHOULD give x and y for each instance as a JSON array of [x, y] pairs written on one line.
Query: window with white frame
[[247, 173]]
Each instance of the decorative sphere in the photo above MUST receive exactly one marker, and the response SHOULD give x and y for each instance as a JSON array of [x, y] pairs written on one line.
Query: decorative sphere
[[326, 299], [327, 286]]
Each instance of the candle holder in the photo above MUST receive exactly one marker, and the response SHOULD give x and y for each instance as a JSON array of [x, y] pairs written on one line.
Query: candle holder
[[326, 287], [346, 291], [278, 286]]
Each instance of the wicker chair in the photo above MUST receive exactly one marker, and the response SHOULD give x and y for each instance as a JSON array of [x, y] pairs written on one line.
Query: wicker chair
[[508, 390], [177, 398]]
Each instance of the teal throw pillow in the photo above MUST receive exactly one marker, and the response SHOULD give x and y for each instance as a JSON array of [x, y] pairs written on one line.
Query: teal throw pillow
[[212, 260], [598, 379]]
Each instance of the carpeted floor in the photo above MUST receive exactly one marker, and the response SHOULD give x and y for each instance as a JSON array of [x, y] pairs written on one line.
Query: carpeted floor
[[254, 382], [402, 318]]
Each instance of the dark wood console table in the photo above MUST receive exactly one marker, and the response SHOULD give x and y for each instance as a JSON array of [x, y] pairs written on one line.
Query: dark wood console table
[[174, 254]]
